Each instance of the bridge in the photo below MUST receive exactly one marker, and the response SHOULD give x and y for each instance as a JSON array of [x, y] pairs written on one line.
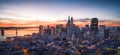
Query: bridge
[[2, 29]]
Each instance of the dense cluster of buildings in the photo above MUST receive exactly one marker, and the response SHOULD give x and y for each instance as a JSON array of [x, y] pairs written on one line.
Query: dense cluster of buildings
[[72, 31], [92, 39]]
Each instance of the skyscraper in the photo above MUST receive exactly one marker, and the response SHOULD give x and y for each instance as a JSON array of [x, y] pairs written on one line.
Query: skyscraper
[[68, 26], [58, 29], [94, 27], [71, 20], [72, 25], [106, 33], [41, 30], [86, 27], [101, 31], [52, 30]]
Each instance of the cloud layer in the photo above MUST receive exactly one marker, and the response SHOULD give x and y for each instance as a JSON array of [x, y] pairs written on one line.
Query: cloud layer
[[7, 22]]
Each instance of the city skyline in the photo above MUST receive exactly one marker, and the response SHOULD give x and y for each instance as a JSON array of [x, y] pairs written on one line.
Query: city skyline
[[23, 13], [93, 39]]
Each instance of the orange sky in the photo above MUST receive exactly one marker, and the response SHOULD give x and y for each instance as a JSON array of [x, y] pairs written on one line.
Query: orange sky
[[13, 13], [20, 23]]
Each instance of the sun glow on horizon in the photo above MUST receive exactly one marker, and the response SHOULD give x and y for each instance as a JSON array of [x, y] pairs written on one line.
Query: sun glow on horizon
[[34, 13]]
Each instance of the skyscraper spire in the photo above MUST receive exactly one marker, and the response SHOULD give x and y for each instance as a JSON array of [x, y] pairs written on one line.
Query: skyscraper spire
[[69, 19]]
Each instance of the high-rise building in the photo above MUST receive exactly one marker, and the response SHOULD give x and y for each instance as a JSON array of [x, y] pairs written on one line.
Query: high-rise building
[[101, 31], [58, 29], [106, 33], [86, 27], [48, 27], [52, 30], [41, 30], [70, 25], [86, 31], [94, 27], [71, 20]]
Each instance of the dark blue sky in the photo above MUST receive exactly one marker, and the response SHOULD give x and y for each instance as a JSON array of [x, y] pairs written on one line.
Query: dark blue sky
[[54, 9]]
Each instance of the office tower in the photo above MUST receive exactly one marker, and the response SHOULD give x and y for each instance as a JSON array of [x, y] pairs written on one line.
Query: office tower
[[86, 27], [94, 27], [106, 33], [52, 30], [58, 29], [71, 20], [101, 31], [72, 25], [101, 27], [68, 26], [68, 23], [48, 27], [86, 31], [2, 32], [47, 31], [34, 35], [41, 30]]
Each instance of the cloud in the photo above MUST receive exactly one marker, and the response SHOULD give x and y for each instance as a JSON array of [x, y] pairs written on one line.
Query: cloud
[[116, 22], [84, 20], [88, 20], [5, 18], [118, 17], [7, 22], [105, 20], [76, 20], [61, 21]]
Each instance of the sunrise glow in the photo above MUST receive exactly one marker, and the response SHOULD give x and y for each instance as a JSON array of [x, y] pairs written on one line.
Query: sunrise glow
[[35, 13]]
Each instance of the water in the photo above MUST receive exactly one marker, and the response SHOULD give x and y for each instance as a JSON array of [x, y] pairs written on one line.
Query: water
[[21, 32]]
